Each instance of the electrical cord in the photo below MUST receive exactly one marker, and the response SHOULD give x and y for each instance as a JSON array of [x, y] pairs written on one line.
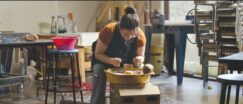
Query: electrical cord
[[190, 40], [190, 13]]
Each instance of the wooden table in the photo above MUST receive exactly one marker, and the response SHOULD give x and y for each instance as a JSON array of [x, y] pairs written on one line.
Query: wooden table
[[20, 44], [81, 60]]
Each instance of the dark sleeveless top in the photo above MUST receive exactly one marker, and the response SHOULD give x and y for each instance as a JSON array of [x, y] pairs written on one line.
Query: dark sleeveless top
[[118, 48]]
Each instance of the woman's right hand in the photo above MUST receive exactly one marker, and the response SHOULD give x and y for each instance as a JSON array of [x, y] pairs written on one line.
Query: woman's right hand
[[116, 61]]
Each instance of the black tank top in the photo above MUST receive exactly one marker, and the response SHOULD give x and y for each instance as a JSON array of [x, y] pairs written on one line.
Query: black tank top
[[118, 48]]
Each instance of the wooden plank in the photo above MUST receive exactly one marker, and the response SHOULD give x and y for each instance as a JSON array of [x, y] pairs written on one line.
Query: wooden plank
[[87, 66], [81, 60]]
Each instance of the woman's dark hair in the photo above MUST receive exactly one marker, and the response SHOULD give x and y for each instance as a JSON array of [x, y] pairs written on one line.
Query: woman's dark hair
[[130, 19]]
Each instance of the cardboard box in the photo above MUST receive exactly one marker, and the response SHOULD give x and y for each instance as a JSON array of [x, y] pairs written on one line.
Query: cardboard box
[[149, 94]]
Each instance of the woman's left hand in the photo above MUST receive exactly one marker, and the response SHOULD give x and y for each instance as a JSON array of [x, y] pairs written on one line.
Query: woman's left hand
[[138, 60]]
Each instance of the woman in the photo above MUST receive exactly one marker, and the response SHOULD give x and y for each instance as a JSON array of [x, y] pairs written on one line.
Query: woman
[[118, 43]]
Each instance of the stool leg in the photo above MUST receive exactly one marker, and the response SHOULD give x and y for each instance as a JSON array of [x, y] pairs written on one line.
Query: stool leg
[[228, 94], [25, 56], [237, 94], [44, 58], [79, 78], [45, 54], [222, 95], [59, 66], [55, 78], [47, 72], [47, 87], [73, 78], [59, 73]]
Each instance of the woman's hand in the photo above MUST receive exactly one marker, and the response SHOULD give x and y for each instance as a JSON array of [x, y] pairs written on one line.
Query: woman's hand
[[138, 60], [116, 61]]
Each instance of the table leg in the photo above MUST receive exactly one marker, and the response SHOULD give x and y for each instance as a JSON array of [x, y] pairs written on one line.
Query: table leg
[[25, 65], [8, 60], [148, 35], [42, 55], [169, 52], [81, 60], [180, 40], [205, 68], [43, 61], [204, 61], [79, 78], [46, 64]]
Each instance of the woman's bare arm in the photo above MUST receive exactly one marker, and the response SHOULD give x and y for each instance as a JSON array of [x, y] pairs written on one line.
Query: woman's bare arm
[[100, 50], [141, 53]]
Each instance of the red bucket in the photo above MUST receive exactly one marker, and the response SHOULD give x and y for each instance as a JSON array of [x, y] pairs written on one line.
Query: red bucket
[[64, 42]]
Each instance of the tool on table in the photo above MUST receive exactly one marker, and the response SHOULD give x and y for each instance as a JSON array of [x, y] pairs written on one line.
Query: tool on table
[[64, 24], [58, 25], [31, 37]]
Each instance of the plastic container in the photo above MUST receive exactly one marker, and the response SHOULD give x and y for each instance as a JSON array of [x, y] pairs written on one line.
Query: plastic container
[[121, 79], [156, 58], [65, 42]]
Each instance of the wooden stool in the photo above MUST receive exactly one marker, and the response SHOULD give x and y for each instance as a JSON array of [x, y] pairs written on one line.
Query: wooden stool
[[227, 80], [55, 89]]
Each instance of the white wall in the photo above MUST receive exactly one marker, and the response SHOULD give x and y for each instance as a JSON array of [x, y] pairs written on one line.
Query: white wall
[[179, 9], [25, 16], [84, 11]]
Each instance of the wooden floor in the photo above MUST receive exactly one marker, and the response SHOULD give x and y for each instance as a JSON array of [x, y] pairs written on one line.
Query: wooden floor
[[191, 92]]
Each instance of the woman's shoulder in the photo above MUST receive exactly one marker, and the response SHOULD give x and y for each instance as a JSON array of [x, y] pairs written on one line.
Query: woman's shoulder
[[141, 38], [106, 33], [140, 33], [108, 30], [111, 26]]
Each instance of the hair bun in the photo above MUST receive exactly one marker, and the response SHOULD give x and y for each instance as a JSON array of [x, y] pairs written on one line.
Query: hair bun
[[130, 10]]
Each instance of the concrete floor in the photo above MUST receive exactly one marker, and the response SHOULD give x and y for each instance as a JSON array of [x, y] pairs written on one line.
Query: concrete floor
[[191, 92]]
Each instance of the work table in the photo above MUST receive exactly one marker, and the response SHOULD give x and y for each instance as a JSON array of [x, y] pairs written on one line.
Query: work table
[[178, 23], [8, 42], [22, 43]]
